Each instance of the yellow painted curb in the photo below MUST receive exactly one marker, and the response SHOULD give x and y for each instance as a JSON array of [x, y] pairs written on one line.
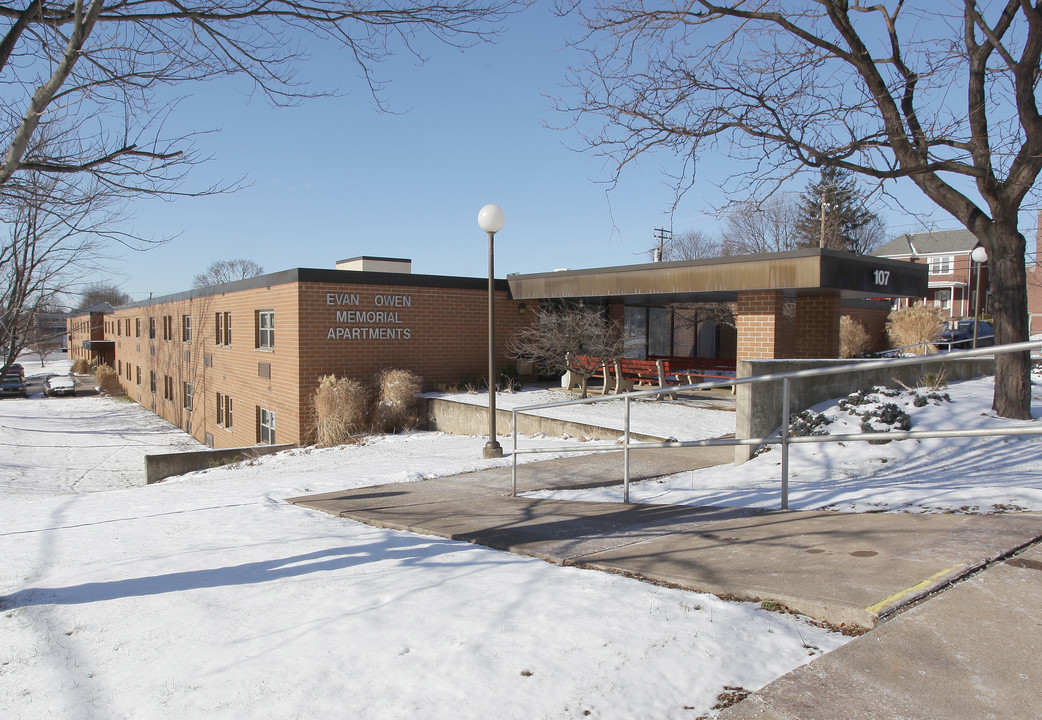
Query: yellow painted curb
[[917, 588]]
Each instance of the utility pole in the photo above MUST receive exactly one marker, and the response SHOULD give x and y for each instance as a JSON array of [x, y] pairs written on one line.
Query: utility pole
[[662, 235], [824, 207]]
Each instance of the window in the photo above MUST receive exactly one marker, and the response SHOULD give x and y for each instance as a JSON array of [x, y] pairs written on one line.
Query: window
[[265, 328], [152, 381], [151, 328], [265, 426], [119, 368], [186, 328], [168, 388], [186, 394], [168, 327], [137, 327], [218, 324], [943, 299], [227, 328], [138, 375], [224, 411], [942, 265]]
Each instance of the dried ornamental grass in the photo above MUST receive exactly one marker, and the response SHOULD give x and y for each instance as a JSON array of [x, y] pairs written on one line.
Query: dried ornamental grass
[[853, 337], [81, 367], [108, 381], [918, 325], [341, 407], [398, 401]]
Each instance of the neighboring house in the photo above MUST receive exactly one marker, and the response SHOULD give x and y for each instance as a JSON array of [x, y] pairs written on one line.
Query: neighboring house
[[952, 280]]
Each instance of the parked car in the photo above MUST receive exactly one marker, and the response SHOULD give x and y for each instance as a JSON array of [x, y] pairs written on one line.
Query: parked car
[[13, 385], [958, 335], [60, 385], [16, 369]]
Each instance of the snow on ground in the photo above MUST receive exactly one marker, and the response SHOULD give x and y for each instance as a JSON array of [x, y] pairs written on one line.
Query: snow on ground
[[208, 595], [991, 474], [649, 416]]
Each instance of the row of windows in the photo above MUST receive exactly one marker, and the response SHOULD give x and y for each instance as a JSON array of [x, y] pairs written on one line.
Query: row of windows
[[264, 328]]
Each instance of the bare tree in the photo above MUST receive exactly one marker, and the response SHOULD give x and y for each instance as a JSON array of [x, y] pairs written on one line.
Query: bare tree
[[97, 68], [101, 292], [761, 227], [54, 228], [224, 271], [564, 334], [689, 245], [871, 89]]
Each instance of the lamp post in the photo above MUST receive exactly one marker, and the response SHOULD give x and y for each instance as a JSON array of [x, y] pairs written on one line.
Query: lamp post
[[979, 256], [490, 219]]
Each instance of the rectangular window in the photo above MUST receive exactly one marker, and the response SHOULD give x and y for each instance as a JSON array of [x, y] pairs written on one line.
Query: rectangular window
[[265, 426], [186, 393], [942, 265], [168, 327], [137, 327], [227, 328], [265, 328], [151, 328], [186, 328], [119, 368], [152, 381], [138, 375], [224, 411], [218, 324], [168, 388]]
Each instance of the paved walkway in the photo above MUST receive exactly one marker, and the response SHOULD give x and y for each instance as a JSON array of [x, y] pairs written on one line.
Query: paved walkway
[[972, 647]]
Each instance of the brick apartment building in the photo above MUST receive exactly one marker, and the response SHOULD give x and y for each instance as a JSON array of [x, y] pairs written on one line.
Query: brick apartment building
[[236, 364]]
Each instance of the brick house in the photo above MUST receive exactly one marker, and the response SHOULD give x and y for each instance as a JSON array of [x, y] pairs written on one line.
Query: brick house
[[952, 278]]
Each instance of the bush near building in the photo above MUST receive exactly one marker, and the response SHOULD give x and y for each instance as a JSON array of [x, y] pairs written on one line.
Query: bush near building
[[853, 338], [398, 401], [915, 328], [341, 410], [108, 381]]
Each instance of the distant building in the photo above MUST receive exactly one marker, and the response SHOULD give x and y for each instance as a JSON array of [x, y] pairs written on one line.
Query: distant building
[[952, 275]]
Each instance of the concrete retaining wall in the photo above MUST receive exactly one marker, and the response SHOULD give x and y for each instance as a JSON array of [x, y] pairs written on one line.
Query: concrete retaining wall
[[160, 467], [759, 405], [466, 419]]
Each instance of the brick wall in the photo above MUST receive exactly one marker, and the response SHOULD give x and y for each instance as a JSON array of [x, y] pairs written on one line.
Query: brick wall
[[320, 328], [817, 326], [758, 321]]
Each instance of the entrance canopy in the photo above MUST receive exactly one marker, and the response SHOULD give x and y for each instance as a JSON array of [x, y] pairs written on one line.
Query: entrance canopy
[[800, 272]]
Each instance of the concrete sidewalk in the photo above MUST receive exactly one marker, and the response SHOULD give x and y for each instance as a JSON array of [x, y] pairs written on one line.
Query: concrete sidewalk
[[847, 569]]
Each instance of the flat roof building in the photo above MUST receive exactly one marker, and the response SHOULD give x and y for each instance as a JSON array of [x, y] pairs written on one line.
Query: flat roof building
[[237, 364]]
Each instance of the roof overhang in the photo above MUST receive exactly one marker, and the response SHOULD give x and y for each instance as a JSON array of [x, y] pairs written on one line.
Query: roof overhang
[[800, 272]]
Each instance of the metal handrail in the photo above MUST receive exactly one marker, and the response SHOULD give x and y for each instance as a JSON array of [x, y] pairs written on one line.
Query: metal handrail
[[781, 437]]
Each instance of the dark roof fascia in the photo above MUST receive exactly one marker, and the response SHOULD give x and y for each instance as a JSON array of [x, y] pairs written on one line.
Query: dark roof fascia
[[323, 275]]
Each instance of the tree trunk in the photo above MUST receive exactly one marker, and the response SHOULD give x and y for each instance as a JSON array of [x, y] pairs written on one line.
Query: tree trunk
[[1005, 246]]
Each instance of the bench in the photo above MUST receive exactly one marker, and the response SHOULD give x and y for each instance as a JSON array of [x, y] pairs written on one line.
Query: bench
[[691, 370], [625, 374]]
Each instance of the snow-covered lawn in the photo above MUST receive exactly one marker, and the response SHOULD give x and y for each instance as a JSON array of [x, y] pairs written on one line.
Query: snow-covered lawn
[[206, 595], [991, 474], [687, 419]]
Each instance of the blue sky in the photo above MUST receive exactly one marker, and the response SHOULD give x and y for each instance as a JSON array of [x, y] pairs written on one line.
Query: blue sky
[[335, 178]]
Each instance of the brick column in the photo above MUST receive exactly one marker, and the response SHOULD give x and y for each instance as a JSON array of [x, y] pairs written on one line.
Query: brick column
[[817, 326], [759, 322]]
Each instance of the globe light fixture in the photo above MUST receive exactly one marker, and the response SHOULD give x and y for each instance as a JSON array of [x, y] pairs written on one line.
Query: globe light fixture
[[979, 256], [491, 219]]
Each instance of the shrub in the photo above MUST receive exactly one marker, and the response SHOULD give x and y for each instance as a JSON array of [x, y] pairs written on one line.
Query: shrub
[[108, 381], [341, 408], [398, 401], [81, 367], [853, 337], [917, 326]]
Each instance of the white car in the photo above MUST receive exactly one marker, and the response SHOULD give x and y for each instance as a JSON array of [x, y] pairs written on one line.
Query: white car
[[60, 385]]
